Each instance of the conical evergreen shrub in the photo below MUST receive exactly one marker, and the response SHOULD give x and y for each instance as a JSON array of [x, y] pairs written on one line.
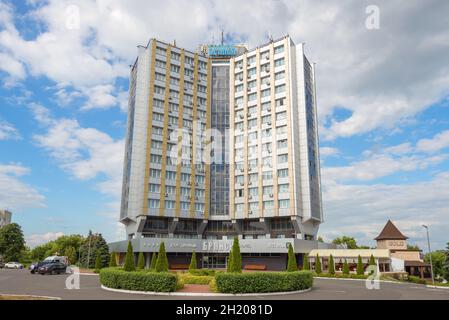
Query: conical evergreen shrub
[[346, 267], [153, 261], [229, 260], [129, 259], [193, 265], [141, 261], [331, 265], [318, 269], [360, 269], [113, 260], [98, 263], [305, 262], [291, 262], [162, 261]]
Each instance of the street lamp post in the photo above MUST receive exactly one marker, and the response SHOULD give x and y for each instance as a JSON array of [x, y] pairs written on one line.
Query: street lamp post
[[430, 253]]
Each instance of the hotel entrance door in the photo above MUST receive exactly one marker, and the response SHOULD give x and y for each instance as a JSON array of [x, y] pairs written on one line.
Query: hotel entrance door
[[214, 262]]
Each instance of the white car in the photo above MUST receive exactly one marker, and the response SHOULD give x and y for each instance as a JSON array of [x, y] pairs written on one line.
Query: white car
[[13, 265]]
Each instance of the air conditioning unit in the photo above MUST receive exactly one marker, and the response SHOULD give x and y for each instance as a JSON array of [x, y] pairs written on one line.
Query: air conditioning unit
[[242, 170], [250, 197], [241, 67], [268, 84], [241, 78], [242, 184], [249, 169], [250, 212], [271, 195], [241, 116], [267, 57], [250, 183], [269, 109], [269, 123], [189, 183], [248, 89], [166, 194]]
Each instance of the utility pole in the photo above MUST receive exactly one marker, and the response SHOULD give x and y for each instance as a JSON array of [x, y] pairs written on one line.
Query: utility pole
[[88, 251], [430, 253]]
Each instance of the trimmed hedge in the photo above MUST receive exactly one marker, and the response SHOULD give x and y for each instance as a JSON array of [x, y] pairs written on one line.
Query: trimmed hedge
[[202, 272], [138, 280], [341, 275], [258, 282], [417, 280], [191, 279]]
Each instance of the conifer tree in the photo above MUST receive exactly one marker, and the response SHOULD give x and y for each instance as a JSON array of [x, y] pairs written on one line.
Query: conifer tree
[[360, 269], [98, 263], [153, 261], [113, 260], [236, 265], [291, 262], [162, 261], [318, 269], [331, 265], [305, 262], [346, 268], [193, 264], [141, 261], [129, 259]]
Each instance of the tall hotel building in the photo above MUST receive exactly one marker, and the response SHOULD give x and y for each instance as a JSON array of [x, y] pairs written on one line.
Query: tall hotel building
[[222, 143]]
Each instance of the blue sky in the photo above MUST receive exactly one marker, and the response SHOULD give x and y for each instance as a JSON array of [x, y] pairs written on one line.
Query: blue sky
[[383, 99]]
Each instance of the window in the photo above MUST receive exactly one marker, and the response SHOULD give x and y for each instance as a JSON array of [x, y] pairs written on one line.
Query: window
[[239, 179], [252, 96], [281, 115], [279, 49], [282, 158], [266, 162], [279, 102], [154, 188], [266, 119], [252, 163], [265, 55], [160, 64], [267, 175], [239, 207], [281, 130], [280, 89], [283, 188], [238, 101], [266, 147], [169, 204], [284, 203], [160, 76], [160, 51], [266, 106], [159, 90], [185, 205], [252, 123], [155, 158], [251, 72], [265, 93], [175, 56], [253, 191], [199, 207], [268, 190], [239, 88], [252, 136], [282, 144], [185, 177], [252, 110], [266, 133], [174, 81], [253, 206], [253, 177], [239, 138], [283, 173], [158, 116], [252, 84], [174, 68], [251, 59], [279, 75], [185, 191], [156, 144], [170, 175], [239, 126], [153, 204], [268, 204], [170, 189], [279, 62]]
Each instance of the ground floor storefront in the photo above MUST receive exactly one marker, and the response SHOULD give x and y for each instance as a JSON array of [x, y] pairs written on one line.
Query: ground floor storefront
[[257, 254]]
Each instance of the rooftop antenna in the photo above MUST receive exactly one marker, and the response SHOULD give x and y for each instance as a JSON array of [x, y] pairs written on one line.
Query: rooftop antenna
[[174, 43], [222, 37], [270, 36]]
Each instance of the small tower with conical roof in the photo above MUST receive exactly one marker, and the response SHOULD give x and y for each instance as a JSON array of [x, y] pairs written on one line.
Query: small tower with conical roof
[[391, 238]]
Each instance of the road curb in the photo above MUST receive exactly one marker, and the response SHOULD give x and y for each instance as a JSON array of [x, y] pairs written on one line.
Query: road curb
[[386, 281], [203, 294], [29, 295]]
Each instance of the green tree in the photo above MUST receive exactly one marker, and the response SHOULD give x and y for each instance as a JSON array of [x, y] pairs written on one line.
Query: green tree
[[305, 262], [438, 260], [320, 239], [446, 263], [229, 260], [346, 267], [236, 265], [129, 259], [70, 253], [318, 269], [153, 261], [98, 264], [12, 242], [193, 264], [291, 262], [141, 261], [413, 247], [345, 240], [162, 261], [113, 260], [94, 244], [331, 268], [360, 268]]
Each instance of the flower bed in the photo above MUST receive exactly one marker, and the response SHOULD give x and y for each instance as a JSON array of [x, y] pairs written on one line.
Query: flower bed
[[138, 280], [259, 282]]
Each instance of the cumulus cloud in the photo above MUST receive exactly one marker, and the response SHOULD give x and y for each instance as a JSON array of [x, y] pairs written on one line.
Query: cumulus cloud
[[328, 152], [14, 193], [34, 240], [438, 142], [8, 131]]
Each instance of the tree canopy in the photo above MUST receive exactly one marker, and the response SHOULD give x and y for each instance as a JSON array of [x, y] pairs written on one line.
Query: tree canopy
[[12, 242]]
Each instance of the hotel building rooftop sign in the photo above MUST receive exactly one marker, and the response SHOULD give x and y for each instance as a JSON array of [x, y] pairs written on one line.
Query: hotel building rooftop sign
[[222, 50]]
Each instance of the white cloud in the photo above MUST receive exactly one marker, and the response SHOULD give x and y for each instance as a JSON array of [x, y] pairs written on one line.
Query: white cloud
[[362, 210], [438, 142], [14, 193], [100, 97], [328, 152], [8, 131], [34, 240]]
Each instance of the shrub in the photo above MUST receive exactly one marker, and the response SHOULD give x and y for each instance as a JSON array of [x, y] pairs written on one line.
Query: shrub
[[138, 281], [229, 262], [360, 270], [141, 261], [331, 265], [162, 261], [193, 264], [291, 262], [318, 264], [236, 264], [213, 285], [153, 261], [97, 263], [191, 279], [346, 267], [258, 282], [129, 259], [305, 263], [417, 280], [113, 260], [202, 272]]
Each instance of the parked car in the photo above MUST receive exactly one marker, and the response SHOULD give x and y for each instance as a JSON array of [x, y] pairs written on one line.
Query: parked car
[[34, 267], [13, 265], [52, 268]]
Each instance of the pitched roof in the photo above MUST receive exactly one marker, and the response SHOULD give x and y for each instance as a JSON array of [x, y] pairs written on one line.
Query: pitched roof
[[390, 231]]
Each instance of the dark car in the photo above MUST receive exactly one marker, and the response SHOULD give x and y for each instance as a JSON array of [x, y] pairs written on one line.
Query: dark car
[[34, 267], [52, 268]]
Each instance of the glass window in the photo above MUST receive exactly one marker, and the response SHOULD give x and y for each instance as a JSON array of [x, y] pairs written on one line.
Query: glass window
[[284, 203], [279, 49], [282, 173], [282, 158], [283, 188], [279, 62]]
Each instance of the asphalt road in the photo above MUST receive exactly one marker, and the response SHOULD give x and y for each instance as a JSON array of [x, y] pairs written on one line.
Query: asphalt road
[[22, 282]]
